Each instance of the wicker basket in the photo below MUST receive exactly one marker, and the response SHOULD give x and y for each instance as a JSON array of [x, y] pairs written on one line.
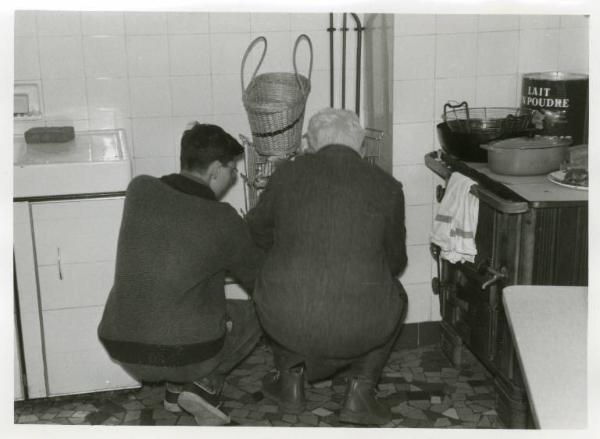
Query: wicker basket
[[275, 104]]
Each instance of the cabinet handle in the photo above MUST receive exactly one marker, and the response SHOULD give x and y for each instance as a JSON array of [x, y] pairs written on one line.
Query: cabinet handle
[[60, 276]]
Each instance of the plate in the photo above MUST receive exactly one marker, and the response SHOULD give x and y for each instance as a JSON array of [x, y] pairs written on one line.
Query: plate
[[557, 177]]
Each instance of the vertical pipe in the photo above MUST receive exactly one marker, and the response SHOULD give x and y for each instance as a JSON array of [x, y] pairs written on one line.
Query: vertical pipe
[[331, 29], [344, 29], [359, 30]]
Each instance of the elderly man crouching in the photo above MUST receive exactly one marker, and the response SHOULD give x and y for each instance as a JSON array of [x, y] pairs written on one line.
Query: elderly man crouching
[[328, 294]]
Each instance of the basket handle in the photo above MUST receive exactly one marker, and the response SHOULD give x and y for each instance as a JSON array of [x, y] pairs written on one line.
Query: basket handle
[[262, 57], [301, 37]]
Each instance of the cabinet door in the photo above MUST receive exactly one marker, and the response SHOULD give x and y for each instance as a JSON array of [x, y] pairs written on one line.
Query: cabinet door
[[29, 307], [80, 231], [76, 243], [75, 359]]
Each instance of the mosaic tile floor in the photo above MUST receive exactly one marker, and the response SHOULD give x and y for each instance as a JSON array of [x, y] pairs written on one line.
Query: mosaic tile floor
[[420, 385]]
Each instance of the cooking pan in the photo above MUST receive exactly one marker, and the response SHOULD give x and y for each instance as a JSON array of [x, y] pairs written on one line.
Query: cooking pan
[[463, 146], [527, 155]]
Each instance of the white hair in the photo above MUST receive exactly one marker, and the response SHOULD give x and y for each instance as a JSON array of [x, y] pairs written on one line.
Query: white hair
[[331, 126]]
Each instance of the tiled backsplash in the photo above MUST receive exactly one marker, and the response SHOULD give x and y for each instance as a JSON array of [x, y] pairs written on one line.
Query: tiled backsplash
[[477, 58], [152, 73]]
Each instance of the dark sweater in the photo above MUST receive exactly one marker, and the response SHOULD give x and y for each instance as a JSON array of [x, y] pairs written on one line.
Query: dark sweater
[[333, 226], [167, 304]]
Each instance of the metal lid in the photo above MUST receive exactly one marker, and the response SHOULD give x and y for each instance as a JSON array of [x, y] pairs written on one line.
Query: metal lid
[[534, 142], [556, 76]]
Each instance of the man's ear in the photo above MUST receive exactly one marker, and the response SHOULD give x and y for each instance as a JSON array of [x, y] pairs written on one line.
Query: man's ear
[[213, 169]]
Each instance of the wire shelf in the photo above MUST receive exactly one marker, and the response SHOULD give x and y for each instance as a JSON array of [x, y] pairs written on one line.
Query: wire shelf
[[259, 167]]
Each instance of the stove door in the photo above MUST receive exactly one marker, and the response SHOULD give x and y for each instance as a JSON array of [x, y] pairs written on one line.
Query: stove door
[[470, 303]]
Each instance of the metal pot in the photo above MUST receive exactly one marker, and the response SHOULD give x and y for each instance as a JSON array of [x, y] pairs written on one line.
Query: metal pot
[[463, 146], [527, 155]]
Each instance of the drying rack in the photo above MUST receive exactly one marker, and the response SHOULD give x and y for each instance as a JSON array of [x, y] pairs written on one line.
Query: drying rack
[[259, 167]]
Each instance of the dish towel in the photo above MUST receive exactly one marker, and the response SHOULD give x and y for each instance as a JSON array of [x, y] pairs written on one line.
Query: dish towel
[[455, 224]]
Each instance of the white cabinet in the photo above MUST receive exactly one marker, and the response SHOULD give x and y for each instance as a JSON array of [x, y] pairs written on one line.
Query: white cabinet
[[75, 245], [29, 309], [19, 394]]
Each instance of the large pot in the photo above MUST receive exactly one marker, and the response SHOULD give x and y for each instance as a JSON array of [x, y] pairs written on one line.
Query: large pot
[[462, 146], [527, 155]]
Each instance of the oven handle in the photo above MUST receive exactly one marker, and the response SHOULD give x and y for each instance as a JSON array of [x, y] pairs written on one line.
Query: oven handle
[[434, 162], [496, 276], [497, 202], [490, 198]]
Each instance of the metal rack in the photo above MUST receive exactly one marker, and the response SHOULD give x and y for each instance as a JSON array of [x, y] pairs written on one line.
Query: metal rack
[[259, 167]]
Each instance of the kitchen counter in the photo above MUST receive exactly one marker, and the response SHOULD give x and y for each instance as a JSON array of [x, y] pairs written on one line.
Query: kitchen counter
[[534, 188], [549, 324], [508, 193]]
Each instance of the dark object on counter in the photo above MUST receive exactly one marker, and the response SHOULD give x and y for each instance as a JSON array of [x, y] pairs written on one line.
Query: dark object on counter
[[49, 135], [486, 123], [561, 100], [460, 145], [527, 155]]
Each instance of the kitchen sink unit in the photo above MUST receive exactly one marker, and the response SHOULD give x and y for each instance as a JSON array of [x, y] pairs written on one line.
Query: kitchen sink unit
[[67, 207], [529, 232], [93, 162]]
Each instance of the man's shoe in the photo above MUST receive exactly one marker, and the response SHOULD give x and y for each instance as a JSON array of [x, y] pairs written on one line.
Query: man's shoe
[[172, 392], [203, 402], [361, 406], [286, 388]]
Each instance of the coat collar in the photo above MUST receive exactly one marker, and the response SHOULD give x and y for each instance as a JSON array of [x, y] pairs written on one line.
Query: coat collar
[[335, 149], [188, 186]]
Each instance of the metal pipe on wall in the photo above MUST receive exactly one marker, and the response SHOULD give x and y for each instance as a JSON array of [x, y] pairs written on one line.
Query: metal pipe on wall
[[331, 30], [344, 30], [358, 30]]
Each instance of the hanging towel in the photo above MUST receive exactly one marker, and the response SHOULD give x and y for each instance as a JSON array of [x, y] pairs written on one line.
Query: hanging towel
[[455, 224]]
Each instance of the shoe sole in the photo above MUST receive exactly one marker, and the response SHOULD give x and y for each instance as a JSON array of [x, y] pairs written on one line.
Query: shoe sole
[[203, 411], [349, 417], [285, 406]]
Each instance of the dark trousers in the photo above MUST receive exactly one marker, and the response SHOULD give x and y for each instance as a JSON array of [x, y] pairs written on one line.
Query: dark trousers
[[369, 365], [239, 342]]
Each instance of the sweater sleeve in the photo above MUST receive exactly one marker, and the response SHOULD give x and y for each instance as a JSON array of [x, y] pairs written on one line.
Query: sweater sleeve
[[261, 219], [244, 258], [395, 235]]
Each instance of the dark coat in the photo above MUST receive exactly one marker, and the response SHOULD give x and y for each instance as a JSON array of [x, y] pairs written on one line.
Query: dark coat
[[334, 229], [167, 303]]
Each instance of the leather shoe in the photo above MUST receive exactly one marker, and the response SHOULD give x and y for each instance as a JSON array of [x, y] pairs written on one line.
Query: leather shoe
[[361, 406], [286, 387]]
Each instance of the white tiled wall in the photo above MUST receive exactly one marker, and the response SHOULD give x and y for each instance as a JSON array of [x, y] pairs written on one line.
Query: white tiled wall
[[477, 58], [152, 73]]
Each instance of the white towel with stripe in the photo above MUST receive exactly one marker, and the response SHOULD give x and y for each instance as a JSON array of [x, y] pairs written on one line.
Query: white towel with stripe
[[455, 224]]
